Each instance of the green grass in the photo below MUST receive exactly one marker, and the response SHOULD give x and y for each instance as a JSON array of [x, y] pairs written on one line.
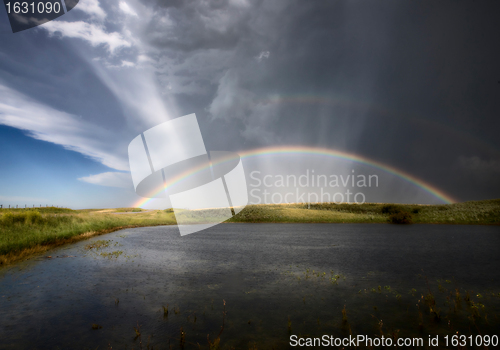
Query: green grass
[[474, 212], [128, 210], [42, 210], [27, 231]]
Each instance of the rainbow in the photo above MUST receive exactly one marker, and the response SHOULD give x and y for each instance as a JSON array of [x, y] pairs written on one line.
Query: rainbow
[[365, 107], [276, 150]]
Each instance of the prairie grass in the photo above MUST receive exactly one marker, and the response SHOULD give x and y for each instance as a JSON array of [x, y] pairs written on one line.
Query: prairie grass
[[27, 232], [24, 232], [474, 212]]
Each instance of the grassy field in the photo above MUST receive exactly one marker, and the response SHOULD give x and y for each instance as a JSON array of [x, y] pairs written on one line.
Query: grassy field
[[24, 232], [468, 213]]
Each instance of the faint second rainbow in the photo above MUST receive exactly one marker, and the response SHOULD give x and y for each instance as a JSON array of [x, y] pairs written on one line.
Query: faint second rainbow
[[276, 150]]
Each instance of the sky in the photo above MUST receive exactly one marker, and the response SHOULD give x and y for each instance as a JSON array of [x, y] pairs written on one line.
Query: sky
[[407, 85]]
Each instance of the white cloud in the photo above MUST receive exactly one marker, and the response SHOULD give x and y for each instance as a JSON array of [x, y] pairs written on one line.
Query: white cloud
[[233, 101], [110, 179], [143, 105], [92, 33], [145, 58], [128, 64], [48, 124], [262, 55], [126, 8], [92, 8]]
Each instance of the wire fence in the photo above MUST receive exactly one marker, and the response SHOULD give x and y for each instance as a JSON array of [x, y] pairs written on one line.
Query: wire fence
[[27, 207]]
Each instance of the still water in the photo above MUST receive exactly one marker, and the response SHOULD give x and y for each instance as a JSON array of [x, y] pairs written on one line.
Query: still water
[[276, 280]]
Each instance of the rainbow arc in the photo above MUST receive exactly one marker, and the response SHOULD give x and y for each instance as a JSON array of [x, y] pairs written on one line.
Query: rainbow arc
[[304, 150]]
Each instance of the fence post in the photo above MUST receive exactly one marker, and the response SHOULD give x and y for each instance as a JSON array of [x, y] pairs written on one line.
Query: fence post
[[1, 206]]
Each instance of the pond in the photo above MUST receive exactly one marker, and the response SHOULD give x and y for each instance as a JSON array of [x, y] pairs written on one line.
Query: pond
[[151, 288]]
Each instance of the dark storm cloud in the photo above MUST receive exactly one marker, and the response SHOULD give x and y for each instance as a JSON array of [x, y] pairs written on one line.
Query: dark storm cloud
[[413, 84], [191, 32], [410, 83]]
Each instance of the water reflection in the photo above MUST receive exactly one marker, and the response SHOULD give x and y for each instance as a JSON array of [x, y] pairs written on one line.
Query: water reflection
[[277, 279]]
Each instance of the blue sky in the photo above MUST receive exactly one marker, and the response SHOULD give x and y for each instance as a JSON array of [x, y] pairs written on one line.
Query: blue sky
[[37, 173], [412, 85]]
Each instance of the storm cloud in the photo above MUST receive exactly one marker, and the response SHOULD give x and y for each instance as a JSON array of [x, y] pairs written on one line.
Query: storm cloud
[[410, 84]]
